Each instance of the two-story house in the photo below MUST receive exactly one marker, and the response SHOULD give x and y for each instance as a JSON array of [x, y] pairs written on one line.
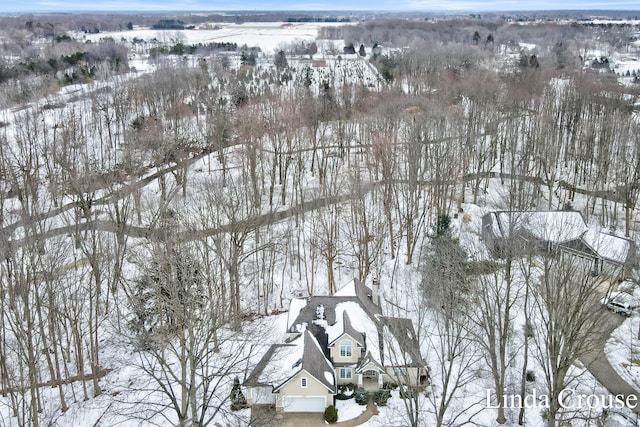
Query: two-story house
[[352, 343]]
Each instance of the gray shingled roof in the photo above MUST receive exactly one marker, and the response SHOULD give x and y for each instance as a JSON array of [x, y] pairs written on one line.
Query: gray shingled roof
[[401, 332], [367, 359], [274, 368], [363, 297], [316, 364], [254, 378], [394, 335], [349, 329]]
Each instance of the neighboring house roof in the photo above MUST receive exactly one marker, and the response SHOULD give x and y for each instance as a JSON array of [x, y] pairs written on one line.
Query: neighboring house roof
[[282, 362], [566, 228], [546, 226], [608, 246]]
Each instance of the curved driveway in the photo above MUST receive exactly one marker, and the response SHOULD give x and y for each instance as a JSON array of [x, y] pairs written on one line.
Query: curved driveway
[[598, 364]]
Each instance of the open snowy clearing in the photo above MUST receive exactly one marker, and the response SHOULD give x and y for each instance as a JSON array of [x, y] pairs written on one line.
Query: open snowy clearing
[[269, 36]]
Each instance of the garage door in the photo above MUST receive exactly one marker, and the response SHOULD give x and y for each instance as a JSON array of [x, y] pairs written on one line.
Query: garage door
[[303, 403]]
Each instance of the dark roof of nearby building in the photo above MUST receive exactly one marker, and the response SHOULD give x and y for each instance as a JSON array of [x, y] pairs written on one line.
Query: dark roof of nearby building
[[402, 333], [566, 228], [545, 226]]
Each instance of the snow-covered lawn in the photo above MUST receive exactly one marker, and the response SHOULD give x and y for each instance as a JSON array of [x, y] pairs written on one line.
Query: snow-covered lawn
[[623, 351], [349, 409]]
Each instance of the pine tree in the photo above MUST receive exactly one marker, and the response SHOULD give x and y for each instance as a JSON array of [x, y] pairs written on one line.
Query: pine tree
[[281, 60], [238, 401], [476, 37]]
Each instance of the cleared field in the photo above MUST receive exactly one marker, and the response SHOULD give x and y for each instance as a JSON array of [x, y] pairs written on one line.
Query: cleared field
[[267, 35]]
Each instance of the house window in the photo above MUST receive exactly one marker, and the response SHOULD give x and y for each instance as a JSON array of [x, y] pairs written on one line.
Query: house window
[[303, 382], [345, 349], [345, 373]]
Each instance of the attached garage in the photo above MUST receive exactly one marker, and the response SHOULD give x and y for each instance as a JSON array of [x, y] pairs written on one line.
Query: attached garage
[[303, 403]]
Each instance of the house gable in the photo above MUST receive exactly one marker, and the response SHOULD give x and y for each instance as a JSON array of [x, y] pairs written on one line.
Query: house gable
[[369, 363], [336, 348], [294, 386]]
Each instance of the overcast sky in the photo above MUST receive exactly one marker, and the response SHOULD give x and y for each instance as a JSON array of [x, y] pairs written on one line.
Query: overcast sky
[[389, 5]]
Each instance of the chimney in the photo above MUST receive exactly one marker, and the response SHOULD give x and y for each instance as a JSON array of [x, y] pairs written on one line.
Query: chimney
[[375, 289]]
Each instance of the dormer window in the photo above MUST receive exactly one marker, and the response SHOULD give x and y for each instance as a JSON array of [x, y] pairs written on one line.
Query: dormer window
[[303, 382], [345, 348]]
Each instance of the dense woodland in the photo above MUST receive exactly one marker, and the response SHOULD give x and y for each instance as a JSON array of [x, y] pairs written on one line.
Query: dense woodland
[[164, 211]]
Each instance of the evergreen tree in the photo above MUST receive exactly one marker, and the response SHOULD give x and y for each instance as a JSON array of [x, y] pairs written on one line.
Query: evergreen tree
[[362, 52], [281, 61], [238, 401], [349, 49], [442, 227], [476, 37], [312, 49], [248, 58]]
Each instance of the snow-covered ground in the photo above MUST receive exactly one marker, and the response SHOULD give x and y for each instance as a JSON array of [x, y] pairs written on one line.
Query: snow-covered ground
[[623, 350], [401, 282], [349, 409], [269, 36]]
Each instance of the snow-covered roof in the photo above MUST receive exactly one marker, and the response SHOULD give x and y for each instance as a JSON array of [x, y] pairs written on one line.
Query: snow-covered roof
[[279, 363], [305, 310], [328, 376], [294, 310], [367, 363], [322, 320], [608, 246], [284, 361], [548, 226], [348, 290], [360, 321]]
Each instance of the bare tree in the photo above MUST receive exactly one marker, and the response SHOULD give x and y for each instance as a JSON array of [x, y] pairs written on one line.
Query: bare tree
[[185, 348], [565, 321]]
